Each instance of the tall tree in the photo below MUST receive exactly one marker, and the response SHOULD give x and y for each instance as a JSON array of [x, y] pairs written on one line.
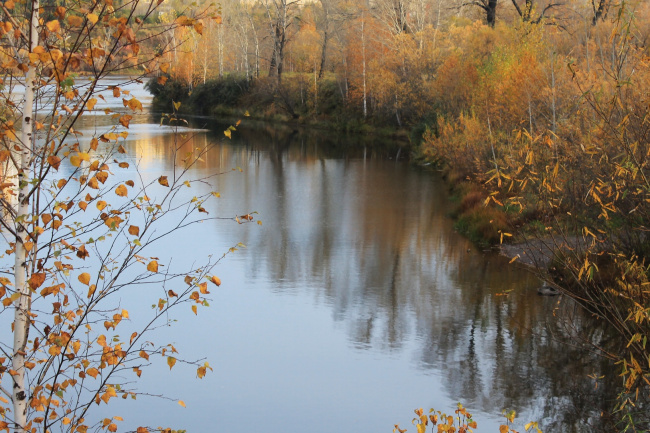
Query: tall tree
[[280, 14]]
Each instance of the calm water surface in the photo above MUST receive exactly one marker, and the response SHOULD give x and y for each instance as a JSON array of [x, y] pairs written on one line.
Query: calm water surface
[[353, 304]]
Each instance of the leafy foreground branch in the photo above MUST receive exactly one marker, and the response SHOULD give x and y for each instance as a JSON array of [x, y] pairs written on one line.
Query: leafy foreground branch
[[81, 222], [460, 422]]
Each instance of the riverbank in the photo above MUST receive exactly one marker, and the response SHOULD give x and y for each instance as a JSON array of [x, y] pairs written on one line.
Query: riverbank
[[291, 103]]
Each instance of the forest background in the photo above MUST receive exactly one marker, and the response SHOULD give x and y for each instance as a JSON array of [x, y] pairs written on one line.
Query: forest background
[[537, 111]]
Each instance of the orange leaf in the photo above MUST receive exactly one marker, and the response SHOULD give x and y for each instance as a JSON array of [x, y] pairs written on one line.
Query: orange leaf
[[215, 280], [124, 120], [36, 280], [163, 181], [134, 230], [121, 191], [84, 278], [54, 161], [152, 266], [203, 288]]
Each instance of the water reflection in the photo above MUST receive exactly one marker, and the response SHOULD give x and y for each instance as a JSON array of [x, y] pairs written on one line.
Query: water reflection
[[355, 239]]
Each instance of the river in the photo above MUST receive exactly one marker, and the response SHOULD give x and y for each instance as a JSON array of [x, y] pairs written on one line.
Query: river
[[353, 303]]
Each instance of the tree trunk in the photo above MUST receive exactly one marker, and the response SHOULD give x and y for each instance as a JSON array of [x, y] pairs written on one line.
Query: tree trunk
[[491, 12], [323, 54], [23, 303]]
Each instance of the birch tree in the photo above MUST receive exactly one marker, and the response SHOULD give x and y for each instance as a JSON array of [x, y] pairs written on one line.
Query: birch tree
[[78, 232]]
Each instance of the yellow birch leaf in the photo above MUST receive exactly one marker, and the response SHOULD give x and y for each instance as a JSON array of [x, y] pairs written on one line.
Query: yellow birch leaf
[[181, 402], [53, 25], [92, 18], [163, 181], [134, 230], [194, 309], [215, 280], [121, 191], [134, 104], [75, 160], [124, 120], [152, 266], [91, 103], [84, 278], [101, 205], [171, 361]]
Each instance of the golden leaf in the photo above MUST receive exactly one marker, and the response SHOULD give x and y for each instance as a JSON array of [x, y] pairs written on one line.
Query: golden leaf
[[121, 149], [92, 18], [91, 103], [152, 266], [134, 230], [84, 278], [121, 191], [92, 183], [163, 181], [101, 204], [102, 176], [194, 309], [215, 280], [75, 160], [181, 402], [203, 288], [82, 204], [171, 361], [134, 104], [124, 120], [53, 25]]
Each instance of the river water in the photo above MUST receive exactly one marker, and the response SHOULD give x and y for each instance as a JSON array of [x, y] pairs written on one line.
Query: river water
[[353, 303]]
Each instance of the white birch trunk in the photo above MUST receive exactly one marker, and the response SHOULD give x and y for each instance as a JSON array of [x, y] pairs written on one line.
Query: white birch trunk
[[22, 304]]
